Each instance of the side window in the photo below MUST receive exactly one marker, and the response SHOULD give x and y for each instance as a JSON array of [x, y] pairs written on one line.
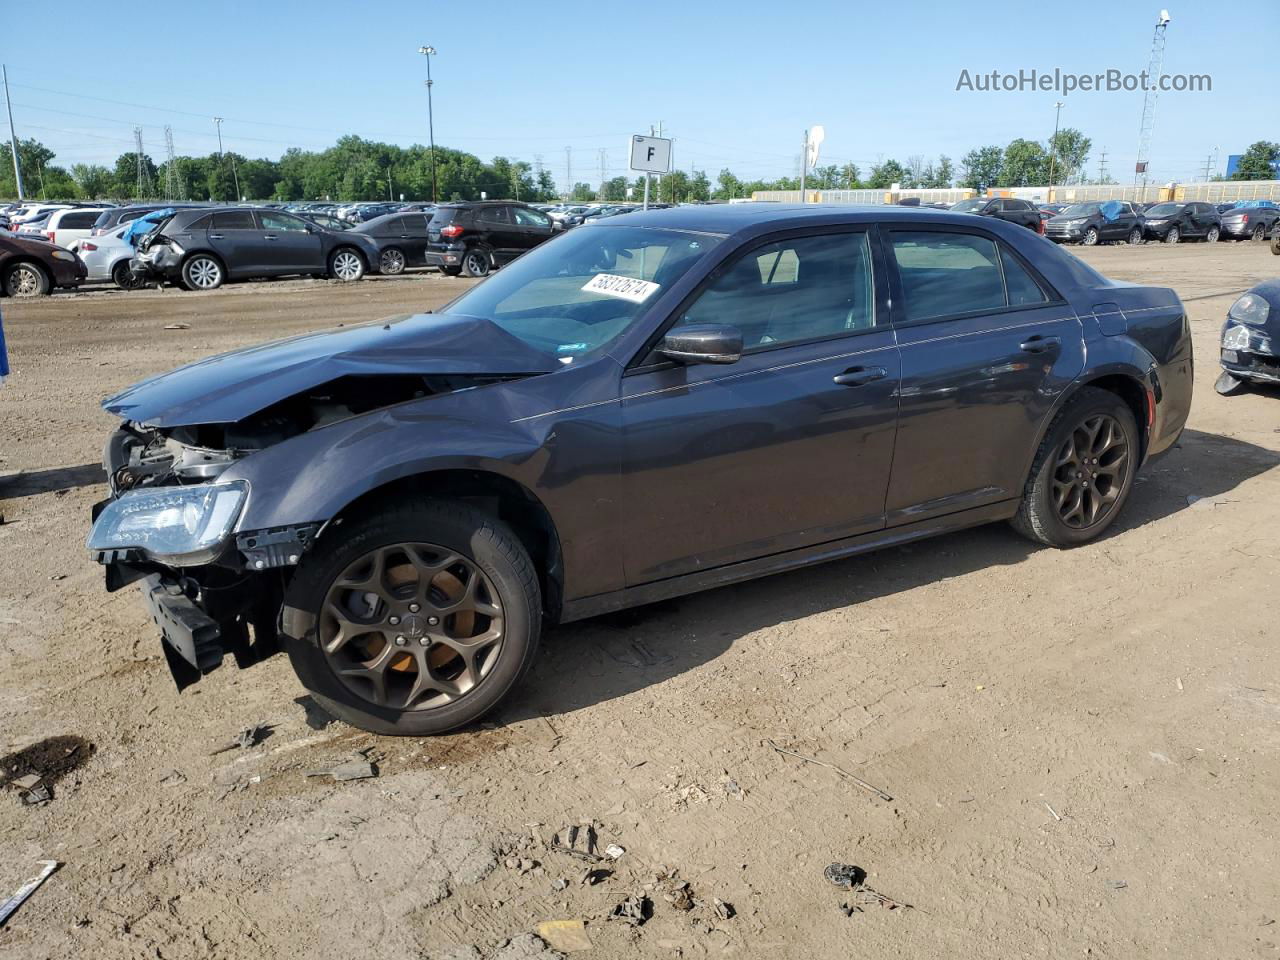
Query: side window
[[233, 220], [494, 215], [201, 224], [281, 221], [944, 274], [530, 218], [791, 291]]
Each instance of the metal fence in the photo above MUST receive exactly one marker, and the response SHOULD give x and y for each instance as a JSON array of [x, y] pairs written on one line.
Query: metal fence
[[1224, 191]]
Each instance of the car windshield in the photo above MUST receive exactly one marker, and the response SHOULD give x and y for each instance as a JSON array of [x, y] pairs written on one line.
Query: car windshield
[[577, 293], [1164, 209], [1080, 210], [968, 206]]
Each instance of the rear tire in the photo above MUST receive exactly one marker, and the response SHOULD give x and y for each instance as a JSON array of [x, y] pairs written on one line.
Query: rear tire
[[1259, 233], [391, 261], [451, 271], [24, 280], [476, 262], [483, 545], [126, 279], [202, 272], [1212, 235], [1083, 472]]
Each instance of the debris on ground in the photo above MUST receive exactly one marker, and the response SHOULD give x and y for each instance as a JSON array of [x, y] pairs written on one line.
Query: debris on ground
[[521, 865], [853, 878], [172, 778], [831, 766], [32, 790], [578, 841], [32, 772], [177, 326], [723, 910], [10, 906], [613, 851], [634, 910], [680, 895], [357, 768], [245, 739], [731, 788], [565, 935], [593, 875]]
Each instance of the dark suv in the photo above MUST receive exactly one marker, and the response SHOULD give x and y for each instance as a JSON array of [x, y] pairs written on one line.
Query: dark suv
[[648, 406], [1173, 222], [202, 248], [1096, 222], [473, 237], [401, 240], [1022, 212]]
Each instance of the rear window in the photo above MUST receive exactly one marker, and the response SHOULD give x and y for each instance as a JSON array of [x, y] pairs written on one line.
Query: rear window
[[105, 219], [446, 215], [951, 273], [78, 220]]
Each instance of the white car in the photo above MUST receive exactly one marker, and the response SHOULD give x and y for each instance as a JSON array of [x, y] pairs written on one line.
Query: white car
[[64, 227], [34, 211], [107, 257]]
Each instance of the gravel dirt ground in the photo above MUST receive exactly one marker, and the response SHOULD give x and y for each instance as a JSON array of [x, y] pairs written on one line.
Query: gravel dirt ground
[[1081, 746]]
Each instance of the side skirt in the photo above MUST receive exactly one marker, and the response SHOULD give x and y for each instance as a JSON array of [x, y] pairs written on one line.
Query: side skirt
[[777, 563]]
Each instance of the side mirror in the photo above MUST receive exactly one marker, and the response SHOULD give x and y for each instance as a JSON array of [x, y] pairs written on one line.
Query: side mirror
[[703, 343]]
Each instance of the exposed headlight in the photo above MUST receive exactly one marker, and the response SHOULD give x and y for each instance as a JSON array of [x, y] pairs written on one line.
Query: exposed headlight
[[1075, 223], [1157, 222], [1235, 338], [1250, 308], [63, 255], [184, 526]]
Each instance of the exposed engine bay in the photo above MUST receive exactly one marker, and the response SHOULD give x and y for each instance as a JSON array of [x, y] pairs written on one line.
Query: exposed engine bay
[[137, 455]]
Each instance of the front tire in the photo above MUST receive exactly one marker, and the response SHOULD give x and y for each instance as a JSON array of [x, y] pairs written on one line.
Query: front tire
[[202, 272], [476, 262], [24, 280], [346, 265], [391, 262], [1173, 236], [1135, 236], [1083, 472], [418, 620], [1091, 237]]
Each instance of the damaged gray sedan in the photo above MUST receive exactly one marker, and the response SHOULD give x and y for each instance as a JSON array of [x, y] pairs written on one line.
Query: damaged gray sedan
[[638, 409]]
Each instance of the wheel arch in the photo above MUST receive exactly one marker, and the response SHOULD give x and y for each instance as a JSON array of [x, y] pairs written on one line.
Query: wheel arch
[[22, 258], [204, 252], [509, 500], [340, 247], [1127, 383]]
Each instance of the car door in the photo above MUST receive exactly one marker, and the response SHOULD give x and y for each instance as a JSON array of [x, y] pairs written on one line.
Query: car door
[[237, 239], [290, 246], [788, 447], [533, 227], [987, 347], [497, 223]]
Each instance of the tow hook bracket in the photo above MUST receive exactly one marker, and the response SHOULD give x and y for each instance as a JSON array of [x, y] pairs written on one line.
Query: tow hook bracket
[[192, 639], [275, 546]]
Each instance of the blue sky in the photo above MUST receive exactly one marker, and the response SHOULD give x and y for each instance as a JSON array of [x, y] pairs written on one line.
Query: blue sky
[[734, 83]]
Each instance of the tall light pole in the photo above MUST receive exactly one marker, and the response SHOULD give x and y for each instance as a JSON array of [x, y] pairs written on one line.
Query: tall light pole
[[13, 137], [1053, 146], [430, 52]]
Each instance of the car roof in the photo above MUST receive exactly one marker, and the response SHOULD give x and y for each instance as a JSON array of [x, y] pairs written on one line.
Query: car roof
[[740, 217]]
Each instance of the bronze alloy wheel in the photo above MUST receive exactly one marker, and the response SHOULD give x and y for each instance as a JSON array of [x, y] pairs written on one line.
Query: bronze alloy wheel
[[411, 626], [1090, 471]]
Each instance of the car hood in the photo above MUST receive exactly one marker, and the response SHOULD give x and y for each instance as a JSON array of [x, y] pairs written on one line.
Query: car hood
[[232, 386]]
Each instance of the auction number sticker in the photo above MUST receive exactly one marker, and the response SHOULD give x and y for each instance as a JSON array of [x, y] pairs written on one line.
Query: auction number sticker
[[624, 288]]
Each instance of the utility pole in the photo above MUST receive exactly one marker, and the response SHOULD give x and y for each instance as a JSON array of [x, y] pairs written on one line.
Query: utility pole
[[13, 137], [1208, 164], [568, 172], [218, 123], [1053, 145], [603, 161], [172, 182], [1147, 127], [430, 52], [1102, 166], [143, 187], [804, 165]]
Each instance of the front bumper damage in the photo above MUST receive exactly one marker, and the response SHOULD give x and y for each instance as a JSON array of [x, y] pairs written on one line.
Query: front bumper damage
[[231, 606]]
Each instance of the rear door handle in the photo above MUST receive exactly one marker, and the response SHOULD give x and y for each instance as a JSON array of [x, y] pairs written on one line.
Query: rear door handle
[[215, 236], [1039, 344], [857, 376], [270, 236]]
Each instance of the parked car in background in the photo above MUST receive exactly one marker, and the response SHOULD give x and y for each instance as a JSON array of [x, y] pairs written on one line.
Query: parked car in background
[[474, 236], [1174, 222], [1251, 340], [1224, 207], [360, 212], [1022, 212], [202, 249], [106, 257], [111, 218], [33, 268], [65, 227], [650, 406], [1251, 220], [326, 220], [1097, 222], [401, 240], [31, 212]]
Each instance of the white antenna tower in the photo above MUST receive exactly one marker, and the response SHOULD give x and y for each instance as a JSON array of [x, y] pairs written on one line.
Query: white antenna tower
[[172, 182], [1154, 67], [143, 188]]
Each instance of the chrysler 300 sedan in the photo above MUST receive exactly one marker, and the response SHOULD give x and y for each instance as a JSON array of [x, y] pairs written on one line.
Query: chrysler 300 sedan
[[639, 408]]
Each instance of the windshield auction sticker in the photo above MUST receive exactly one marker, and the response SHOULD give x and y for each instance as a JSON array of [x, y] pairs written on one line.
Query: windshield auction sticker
[[624, 288]]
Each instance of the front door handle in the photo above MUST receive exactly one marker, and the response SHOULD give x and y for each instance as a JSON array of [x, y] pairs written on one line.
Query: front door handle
[[857, 376], [270, 236], [1039, 344], [215, 236]]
